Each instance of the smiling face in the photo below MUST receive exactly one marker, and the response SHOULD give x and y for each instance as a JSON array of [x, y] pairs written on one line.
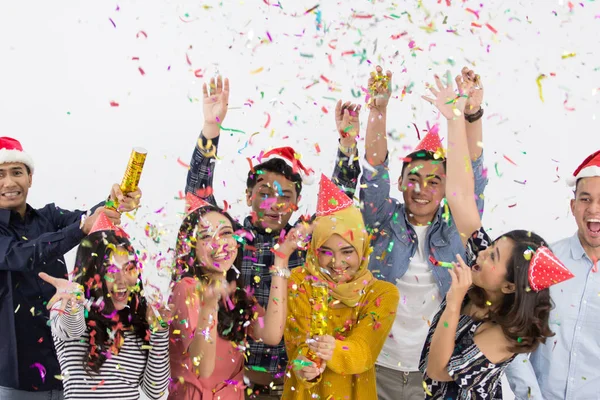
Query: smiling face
[[273, 200], [216, 248], [586, 210], [338, 258], [121, 277], [15, 182], [490, 269], [423, 186]]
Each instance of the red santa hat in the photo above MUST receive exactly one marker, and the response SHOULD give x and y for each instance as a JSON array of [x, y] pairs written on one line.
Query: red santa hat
[[546, 270], [193, 203], [431, 142], [11, 151], [331, 198], [104, 224], [589, 168], [291, 158]]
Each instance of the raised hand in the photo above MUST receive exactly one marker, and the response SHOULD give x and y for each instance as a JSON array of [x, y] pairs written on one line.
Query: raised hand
[[450, 104], [347, 122], [297, 238], [113, 216], [66, 291], [461, 282], [216, 99], [473, 88], [380, 89], [216, 290], [159, 316]]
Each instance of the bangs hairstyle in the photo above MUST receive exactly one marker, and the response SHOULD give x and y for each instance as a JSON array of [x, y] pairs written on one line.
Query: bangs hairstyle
[[421, 155], [231, 321], [92, 262], [523, 314], [276, 166]]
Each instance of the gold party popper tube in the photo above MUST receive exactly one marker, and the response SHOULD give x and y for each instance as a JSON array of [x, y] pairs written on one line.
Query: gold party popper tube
[[133, 172], [319, 302]]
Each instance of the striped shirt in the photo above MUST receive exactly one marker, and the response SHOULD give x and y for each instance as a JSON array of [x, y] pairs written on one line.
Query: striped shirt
[[121, 375]]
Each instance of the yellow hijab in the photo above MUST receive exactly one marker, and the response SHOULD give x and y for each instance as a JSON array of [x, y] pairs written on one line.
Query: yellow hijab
[[349, 224]]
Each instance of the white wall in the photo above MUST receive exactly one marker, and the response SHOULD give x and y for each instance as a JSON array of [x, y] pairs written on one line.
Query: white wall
[[62, 63]]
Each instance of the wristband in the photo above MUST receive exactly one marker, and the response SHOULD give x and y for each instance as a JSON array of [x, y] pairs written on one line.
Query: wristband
[[280, 272], [347, 150], [475, 116]]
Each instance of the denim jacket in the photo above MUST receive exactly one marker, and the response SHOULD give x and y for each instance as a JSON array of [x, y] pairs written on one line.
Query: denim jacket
[[395, 242]]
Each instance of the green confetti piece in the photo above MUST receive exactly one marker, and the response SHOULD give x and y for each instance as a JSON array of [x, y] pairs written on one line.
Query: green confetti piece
[[257, 368], [305, 55], [445, 324]]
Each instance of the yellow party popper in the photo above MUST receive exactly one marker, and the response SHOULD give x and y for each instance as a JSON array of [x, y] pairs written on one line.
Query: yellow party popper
[[133, 173], [318, 320]]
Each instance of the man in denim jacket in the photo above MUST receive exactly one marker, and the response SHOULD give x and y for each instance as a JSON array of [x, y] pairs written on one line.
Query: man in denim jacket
[[411, 237]]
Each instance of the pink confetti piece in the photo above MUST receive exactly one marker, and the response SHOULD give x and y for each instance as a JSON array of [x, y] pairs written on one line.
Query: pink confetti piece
[[183, 164], [42, 370], [261, 322], [268, 120], [187, 59], [112, 22], [114, 104], [269, 36], [141, 71], [141, 33]]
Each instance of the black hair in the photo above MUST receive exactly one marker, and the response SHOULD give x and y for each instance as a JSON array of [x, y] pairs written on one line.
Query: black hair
[[232, 323], [276, 166], [421, 155], [524, 314], [91, 265], [28, 169]]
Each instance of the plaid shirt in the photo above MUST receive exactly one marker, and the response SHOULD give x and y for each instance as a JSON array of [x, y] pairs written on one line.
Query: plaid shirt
[[257, 252]]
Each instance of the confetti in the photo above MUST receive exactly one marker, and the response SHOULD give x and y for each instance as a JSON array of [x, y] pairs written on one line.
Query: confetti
[[41, 369], [538, 81], [112, 22], [257, 71]]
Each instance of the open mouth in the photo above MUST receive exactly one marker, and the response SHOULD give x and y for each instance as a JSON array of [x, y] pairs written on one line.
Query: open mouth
[[273, 217], [120, 295], [476, 267], [593, 226]]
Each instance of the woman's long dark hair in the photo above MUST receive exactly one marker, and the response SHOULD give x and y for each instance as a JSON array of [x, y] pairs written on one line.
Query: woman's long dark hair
[[232, 322], [523, 314], [91, 265]]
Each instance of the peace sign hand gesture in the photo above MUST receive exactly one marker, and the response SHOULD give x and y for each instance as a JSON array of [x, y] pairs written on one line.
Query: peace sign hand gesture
[[66, 291]]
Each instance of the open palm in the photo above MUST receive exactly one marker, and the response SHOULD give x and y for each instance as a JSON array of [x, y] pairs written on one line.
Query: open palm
[[446, 100], [216, 99], [66, 291]]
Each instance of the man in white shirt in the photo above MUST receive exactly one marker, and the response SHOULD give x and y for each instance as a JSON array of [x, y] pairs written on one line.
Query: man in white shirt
[[566, 366]]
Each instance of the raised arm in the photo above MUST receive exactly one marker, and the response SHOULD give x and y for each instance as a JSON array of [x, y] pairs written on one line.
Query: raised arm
[[459, 174], [347, 168], [377, 206], [380, 90], [201, 173], [271, 331]]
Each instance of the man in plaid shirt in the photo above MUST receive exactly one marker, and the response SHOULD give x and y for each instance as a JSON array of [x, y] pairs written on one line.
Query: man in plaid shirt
[[277, 184]]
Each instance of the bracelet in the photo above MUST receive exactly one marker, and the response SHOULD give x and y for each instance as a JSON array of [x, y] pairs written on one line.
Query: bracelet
[[280, 272], [347, 150], [475, 116]]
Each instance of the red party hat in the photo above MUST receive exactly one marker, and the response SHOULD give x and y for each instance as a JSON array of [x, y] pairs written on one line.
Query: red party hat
[[589, 168], [193, 202], [331, 198], [104, 224], [288, 154], [546, 270], [431, 142]]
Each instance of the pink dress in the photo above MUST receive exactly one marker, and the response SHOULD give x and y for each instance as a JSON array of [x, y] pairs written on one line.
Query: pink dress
[[227, 380]]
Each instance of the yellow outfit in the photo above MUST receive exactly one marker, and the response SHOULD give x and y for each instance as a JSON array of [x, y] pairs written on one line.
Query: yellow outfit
[[360, 316]]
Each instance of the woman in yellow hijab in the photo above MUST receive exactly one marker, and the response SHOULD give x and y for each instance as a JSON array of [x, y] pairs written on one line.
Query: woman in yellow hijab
[[358, 310]]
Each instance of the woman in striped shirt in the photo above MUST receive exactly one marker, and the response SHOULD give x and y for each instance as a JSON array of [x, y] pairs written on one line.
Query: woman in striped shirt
[[106, 346]]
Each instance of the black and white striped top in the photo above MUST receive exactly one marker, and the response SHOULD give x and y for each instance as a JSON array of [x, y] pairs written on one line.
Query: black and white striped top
[[121, 375]]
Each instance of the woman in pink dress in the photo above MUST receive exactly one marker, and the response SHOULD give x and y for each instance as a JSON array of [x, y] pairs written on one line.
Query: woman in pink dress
[[213, 313]]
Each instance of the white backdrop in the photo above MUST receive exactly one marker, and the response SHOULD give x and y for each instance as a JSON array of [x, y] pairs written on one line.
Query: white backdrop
[[63, 63]]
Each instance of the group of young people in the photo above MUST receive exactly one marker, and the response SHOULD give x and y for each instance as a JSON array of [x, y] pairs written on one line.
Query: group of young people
[[412, 299]]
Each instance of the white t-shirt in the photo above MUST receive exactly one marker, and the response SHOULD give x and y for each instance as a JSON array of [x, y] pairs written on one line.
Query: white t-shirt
[[419, 301]]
